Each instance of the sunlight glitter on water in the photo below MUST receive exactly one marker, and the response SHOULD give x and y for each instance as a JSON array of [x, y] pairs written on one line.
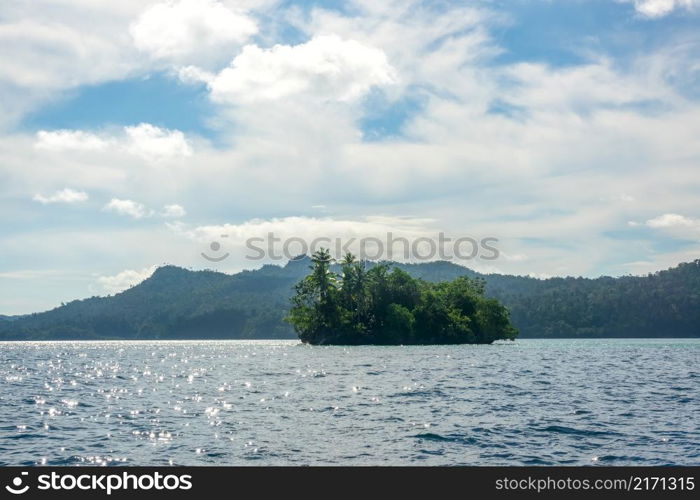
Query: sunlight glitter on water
[[278, 402]]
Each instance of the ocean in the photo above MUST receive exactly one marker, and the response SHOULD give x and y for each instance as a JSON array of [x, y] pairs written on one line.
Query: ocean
[[528, 402]]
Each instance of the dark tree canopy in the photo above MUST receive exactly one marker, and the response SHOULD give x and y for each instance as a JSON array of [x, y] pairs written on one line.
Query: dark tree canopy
[[387, 306]]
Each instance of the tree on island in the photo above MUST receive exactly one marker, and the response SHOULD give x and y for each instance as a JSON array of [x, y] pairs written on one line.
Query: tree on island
[[387, 306]]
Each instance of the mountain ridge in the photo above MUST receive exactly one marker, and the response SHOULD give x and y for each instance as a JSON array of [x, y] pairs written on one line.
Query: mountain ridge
[[177, 303]]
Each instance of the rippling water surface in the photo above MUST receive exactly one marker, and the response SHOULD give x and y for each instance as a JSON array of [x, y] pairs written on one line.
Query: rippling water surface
[[559, 402]]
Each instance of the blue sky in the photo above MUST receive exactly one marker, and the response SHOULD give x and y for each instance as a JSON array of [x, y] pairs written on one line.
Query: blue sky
[[135, 134], [156, 98]]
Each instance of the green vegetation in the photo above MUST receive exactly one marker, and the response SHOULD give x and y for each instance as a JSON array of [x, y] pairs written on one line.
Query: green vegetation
[[388, 307], [176, 303]]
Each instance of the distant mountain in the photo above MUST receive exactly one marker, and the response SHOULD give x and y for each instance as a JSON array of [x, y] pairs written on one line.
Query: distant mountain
[[175, 303]]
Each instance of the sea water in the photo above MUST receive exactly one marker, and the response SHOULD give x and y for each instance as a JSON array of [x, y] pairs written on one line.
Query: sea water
[[529, 402]]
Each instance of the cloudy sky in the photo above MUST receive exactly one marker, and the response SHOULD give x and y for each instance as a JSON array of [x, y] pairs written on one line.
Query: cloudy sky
[[136, 133]]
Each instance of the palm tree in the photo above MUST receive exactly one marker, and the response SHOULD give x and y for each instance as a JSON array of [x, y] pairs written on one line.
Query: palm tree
[[321, 274], [348, 260]]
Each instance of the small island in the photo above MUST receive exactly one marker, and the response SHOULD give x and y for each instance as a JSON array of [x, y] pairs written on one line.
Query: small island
[[385, 306]]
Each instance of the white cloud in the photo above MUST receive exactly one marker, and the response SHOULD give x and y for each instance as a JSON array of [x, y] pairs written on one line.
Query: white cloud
[[195, 74], [139, 210], [326, 67], [516, 257], [578, 89], [173, 211], [40, 40], [155, 143], [35, 52], [670, 220], [127, 207], [62, 140], [191, 30], [660, 8], [125, 279], [144, 140], [314, 227], [63, 196]]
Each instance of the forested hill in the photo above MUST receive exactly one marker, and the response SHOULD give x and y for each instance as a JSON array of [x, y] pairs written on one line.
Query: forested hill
[[175, 303]]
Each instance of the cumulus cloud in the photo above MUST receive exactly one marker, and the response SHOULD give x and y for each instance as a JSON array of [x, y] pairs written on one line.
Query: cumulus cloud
[[327, 66], [138, 210], [127, 207], [155, 143], [34, 40], [310, 228], [144, 140], [63, 196], [39, 40], [670, 220], [191, 30], [61, 140], [173, 211], [660, 8], [125, 279]]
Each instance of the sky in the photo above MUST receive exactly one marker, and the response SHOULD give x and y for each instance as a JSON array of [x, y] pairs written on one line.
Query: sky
[[140, 133]]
